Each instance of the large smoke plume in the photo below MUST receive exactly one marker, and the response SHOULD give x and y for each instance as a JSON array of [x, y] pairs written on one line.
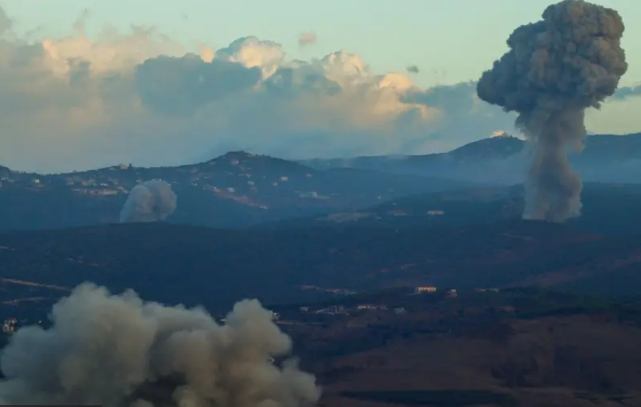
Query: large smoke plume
[[117, 350], [150, 201], [555, 69]]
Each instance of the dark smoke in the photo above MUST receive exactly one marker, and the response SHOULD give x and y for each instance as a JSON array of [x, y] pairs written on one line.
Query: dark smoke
[[119, 351], [555, 69], [151, 201], [413, 69]]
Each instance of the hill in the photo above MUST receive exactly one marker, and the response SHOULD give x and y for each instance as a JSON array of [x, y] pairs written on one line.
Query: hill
[[485, 347], [195, 265], [234, 190], [512, 347], [607, 209], [501, 160]]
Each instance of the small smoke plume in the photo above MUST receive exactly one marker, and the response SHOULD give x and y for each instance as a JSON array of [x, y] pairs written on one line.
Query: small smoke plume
[[413, 69], [117, 350], [150, 201], [306, 39], [555, 69]]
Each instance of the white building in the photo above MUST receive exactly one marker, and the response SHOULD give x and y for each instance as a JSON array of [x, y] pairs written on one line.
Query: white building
[[424, 289]]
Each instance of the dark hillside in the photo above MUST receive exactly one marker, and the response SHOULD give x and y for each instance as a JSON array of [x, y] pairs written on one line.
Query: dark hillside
[[217, 267]]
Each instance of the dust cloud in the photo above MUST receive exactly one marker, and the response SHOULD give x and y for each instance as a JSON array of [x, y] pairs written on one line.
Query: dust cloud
[[118, 350]]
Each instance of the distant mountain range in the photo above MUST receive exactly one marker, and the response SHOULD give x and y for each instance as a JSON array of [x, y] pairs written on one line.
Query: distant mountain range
[[234, 190], [240, 189], [501, 160]]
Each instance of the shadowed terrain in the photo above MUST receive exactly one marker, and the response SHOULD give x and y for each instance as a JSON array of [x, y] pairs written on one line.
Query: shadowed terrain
[[514, 347], [608, 209], [217, 267]]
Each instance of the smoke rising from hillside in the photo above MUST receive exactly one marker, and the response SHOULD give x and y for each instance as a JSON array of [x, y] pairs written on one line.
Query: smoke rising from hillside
[[555, 69], [115, 350], [151, 201]]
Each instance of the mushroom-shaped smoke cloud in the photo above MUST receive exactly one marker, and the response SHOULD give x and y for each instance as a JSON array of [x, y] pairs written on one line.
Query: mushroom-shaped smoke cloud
[[116, 350], [555, 69], [150, 201]]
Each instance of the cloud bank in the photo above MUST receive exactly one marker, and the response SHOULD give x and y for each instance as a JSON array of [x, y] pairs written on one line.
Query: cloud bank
[[78, 103], [119, 351]]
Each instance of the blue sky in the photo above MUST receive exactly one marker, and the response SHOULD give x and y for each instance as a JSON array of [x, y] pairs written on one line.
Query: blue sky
[[449, 40], [75, 103]]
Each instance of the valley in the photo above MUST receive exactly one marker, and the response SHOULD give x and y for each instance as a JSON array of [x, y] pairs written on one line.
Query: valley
[[396, 288]]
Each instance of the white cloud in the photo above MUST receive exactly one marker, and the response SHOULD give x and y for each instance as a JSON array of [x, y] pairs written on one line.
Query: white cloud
[[617, 116], [77, 103]]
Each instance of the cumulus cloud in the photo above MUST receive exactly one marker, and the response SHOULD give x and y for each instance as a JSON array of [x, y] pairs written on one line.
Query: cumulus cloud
[[306, 39], [618, 115], [627, 92], [77, 103], [150, 201], [117, 350]]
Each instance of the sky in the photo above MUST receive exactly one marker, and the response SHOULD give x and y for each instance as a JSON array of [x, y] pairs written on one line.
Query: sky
[[109, 115]]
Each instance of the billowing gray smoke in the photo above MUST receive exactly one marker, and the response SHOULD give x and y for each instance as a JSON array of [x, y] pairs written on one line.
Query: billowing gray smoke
[[150, 201], [554, 70], [120, 351]]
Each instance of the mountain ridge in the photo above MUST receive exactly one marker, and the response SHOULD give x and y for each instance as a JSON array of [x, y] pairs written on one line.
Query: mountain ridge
[[503, 139], [500, 160], [511, 144], [234, 190]]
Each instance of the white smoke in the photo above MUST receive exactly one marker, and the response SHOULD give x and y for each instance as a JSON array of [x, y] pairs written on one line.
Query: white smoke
[[150, 201], [117, 350]]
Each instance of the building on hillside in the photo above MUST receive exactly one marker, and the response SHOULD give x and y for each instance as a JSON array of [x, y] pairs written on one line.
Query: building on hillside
[[485, 290], [424, 289], [275, 315], [372, 307], [333, 310], [9, 326]]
